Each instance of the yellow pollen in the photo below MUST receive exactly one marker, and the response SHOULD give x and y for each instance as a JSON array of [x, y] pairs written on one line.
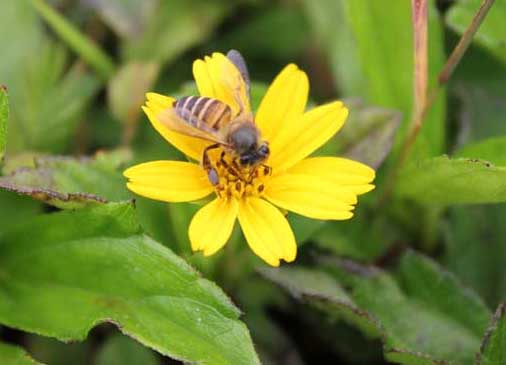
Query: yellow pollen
[[236, 180]]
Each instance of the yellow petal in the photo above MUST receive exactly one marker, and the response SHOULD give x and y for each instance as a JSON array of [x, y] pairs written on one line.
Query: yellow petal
[[267, 231], [342, 172], [212, 225], [190, 146], [307, 134], [283, 103], [217, 77], [170, 181], [311, 196]]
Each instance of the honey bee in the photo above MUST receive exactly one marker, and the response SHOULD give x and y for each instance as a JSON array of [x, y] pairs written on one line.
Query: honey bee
[[212, 120]]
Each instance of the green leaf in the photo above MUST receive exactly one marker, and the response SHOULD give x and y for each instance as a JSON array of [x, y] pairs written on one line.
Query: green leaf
[[13, 355], [443, 181], [370, 48], [121, 350], [491, 149], [15, 208], [492, 32], [493, 347], [324, 292], [46, 113], [476, 254], [47, 97], [84, 47], [4, 116], [95, 265], [70, 183], [423, 315]]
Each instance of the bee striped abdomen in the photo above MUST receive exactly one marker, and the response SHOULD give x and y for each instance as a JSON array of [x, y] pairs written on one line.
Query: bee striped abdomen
[[201, 109]]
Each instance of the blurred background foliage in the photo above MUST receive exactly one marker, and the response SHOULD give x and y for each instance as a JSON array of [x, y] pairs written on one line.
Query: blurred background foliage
[[413, 278]]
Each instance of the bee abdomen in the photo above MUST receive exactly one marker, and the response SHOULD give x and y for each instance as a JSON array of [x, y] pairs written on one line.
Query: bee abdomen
[[201, 109]]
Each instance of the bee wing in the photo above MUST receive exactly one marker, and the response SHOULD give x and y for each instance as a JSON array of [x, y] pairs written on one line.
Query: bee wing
[[238, 60], [170, 119], [238, 81]]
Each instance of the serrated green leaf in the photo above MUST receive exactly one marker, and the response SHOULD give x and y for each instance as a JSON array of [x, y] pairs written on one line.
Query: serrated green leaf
[[423, 280], [324, 292], [492, 32], [4, 116], [13, 355], [121, 350], [423, 315], [95, 265], [443, 181], [493, 347], [423, 310], [70, 183]]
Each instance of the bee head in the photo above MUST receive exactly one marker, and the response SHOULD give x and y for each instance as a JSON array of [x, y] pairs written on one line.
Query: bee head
[[245, 142], [258, 154]]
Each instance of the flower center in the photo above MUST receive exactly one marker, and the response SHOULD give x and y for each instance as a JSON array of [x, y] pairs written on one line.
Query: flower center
[[236, 180]]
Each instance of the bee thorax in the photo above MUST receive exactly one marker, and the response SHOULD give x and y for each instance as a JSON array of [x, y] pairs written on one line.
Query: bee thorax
[[244, 138]]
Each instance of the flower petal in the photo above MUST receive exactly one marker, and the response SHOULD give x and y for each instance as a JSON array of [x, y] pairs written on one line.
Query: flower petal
[[311, 196], [212, 225], [217, 77], [307, 134], [267, 231], [170, 181], [283, 103], [190, 146], [342, 172]]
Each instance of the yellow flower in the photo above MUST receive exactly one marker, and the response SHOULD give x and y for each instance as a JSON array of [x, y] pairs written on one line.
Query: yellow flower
[[316, 187]]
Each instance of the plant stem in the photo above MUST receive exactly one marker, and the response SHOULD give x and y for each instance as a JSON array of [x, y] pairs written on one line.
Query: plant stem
[[443, 77], [420, 108]]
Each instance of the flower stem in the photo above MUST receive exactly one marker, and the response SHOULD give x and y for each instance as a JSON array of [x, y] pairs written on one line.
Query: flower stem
[[422, 101]]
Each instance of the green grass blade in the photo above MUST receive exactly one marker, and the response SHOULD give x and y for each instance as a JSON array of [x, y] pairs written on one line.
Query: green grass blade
[[90, 52]]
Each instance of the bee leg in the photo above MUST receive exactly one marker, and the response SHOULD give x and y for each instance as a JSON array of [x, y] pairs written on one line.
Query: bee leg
[[237, 168], [232, 169], [212, 174]]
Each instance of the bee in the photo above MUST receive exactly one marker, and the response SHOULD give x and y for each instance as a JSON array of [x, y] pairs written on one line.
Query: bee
[[212, 120]]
